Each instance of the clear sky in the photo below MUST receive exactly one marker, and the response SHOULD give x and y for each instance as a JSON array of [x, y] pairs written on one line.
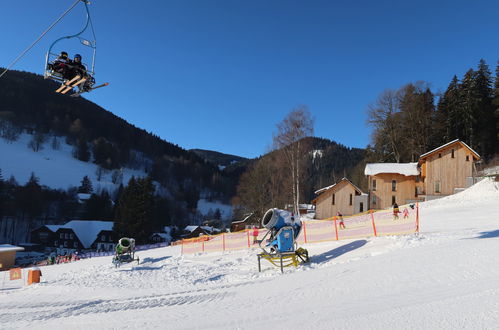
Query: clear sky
[[221, 74]]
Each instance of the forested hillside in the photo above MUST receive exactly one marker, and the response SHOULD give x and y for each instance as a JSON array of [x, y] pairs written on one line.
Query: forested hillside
[[30, 106], [408, 122]]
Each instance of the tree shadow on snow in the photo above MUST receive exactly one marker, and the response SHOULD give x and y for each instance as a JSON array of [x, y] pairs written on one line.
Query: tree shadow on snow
[[334, 253], [488, 234]]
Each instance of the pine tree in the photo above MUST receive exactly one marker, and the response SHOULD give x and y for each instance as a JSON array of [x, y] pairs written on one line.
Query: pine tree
[[495, 103], [469, 110], [85, 186], [82, 152], [485, 124], [448, 115], [135, 213]]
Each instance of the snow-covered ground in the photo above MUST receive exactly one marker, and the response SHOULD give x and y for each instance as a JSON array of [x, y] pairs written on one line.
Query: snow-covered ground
[[447, 277], [56, 169]]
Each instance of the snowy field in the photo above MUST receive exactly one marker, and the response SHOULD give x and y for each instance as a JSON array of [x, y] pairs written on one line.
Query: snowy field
[[447, 277]]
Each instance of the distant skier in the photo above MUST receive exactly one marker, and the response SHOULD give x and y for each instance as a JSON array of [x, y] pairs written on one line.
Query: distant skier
[[405, 213], [395, 211], [340, 216], [255, 234]]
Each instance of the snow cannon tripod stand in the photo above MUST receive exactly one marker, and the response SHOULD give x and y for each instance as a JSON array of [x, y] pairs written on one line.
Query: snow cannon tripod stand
[[281, 248], [125, 252]]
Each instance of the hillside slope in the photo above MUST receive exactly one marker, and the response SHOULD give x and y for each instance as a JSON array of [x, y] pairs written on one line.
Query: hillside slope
[[442, 278]]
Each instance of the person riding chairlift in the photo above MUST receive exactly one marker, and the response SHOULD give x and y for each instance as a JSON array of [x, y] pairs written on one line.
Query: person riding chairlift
[[61, 65], [79, 69]]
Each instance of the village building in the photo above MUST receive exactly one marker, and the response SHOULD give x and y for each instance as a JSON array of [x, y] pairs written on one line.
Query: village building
[[76, 235], [196, 231], [448, 169], [440, 172], [391, 183], [249, 221], [8, 255], [343, 197]]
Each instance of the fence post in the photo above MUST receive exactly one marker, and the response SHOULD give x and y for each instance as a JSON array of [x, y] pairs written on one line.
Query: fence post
[[223, 242], [335, 227], [417, 217], [182, 247], [374, 225], [202, 246], [305, 231], [248, 235]]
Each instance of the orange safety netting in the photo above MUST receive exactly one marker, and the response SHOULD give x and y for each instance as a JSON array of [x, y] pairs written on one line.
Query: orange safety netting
[[371, 223]]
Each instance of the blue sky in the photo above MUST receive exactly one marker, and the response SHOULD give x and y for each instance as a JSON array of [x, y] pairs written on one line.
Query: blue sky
[[221, 74]]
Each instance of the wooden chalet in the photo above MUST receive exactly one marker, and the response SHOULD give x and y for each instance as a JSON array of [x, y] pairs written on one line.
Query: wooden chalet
[[8, 256], [440, 172], [339, 197], [448, 169], [391, 183]]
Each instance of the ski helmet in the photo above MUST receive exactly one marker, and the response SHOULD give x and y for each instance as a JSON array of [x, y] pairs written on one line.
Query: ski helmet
[[78, 57], [64, 55]]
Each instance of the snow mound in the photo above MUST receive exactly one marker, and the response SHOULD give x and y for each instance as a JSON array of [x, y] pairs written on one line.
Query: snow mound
[[484, 190]]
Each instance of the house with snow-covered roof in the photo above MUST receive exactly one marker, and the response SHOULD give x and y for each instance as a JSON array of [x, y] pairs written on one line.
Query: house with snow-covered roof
[[440, 172], [391, 183], [76, 235], [343, 197]]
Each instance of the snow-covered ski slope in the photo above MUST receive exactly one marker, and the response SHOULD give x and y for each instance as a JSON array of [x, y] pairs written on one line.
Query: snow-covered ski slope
[[446, 277]]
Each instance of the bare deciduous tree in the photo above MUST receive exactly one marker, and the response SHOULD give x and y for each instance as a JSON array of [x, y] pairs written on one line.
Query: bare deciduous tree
[[289, 143]]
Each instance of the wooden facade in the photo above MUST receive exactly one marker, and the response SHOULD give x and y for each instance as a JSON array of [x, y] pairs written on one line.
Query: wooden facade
[[385, 189], [336, 198], [447, 168]]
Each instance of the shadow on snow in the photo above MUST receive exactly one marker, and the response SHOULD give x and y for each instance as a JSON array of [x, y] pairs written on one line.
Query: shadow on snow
[[334, 253]]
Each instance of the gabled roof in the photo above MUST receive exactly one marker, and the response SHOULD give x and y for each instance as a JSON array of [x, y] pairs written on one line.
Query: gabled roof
[[406, 169], [10, 248], [320, 191], [477, 156], [85, 230]]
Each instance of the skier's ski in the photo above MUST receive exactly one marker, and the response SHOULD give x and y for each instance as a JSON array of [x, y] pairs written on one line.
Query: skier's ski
[[76, 94], [67, 83], [68, 88]]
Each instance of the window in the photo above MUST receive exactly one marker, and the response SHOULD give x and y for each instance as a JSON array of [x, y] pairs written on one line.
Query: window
[[393, 200], [467, 158], [67, 236], [65, 243], [61, 235], [43, 236], [415, 191], [452, 153], [361, 207], [103, 238], [374, 199], [351, 199], [439, 155], [333, 199], [394, 185], [71, 236], [437, 186], [56, 243], [75, 245], [374, 185]]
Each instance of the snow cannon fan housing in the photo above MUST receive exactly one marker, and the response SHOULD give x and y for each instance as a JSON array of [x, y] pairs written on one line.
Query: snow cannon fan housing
[[126, 244], [275, 219]]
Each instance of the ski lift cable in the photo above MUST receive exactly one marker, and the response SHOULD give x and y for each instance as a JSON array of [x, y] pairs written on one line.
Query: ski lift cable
[[40, 37]]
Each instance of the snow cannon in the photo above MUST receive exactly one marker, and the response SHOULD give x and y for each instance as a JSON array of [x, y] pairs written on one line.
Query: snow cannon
[[280, 240], [125, 244], [284, 230], [125, 251]]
